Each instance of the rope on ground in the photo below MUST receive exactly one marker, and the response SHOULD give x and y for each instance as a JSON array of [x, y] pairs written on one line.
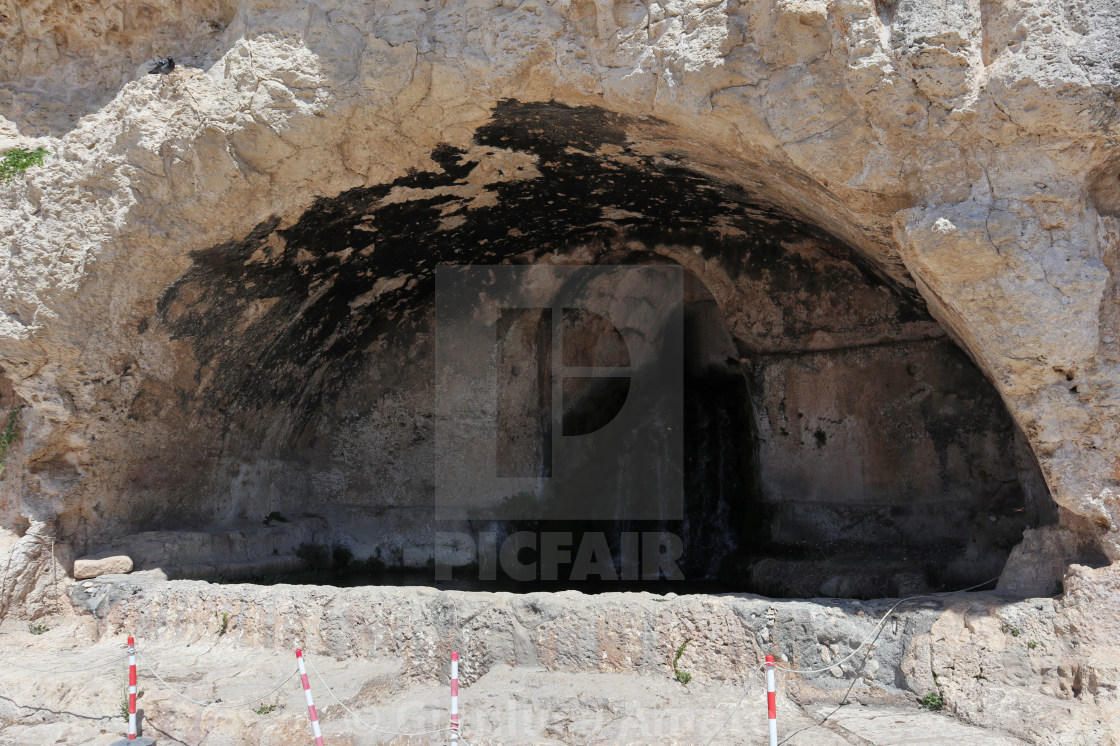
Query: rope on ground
[[114, 661], [750, 683], [843, 700], [883, 621], [363, 722], [219, 705], [878, 629], [5, 600]]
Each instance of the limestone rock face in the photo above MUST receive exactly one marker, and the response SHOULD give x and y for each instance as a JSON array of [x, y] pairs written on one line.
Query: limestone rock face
[[93, 567], [964, 156]]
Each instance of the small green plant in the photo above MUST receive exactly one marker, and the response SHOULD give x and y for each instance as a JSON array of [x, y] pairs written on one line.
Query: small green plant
[[933, 701], [264, 709], [11, 432], [682, 676], [1032, 644], [38, 629], [1007, 629], [224, 625], [274, 517], [124, 707], [17, 160]]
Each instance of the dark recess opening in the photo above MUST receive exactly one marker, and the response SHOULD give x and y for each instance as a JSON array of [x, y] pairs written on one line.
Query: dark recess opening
[[836, 442]]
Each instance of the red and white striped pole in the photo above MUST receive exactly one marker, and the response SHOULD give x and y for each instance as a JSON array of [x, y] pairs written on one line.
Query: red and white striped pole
[[771, 701], [131, 689], [310, 703], [454, 697]]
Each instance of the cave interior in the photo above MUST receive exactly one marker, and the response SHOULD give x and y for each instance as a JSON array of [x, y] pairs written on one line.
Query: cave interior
[[830, 438]]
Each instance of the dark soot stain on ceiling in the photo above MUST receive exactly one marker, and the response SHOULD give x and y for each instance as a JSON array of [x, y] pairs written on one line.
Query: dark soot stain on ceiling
[[311, 328]]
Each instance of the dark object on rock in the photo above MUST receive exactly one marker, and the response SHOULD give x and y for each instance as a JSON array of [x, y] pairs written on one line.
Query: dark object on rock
[[163, 66], [274, 516]]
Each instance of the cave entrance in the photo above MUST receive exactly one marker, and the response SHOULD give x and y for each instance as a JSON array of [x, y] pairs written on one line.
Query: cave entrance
[[867, 471], [620, 447], [835, 441]]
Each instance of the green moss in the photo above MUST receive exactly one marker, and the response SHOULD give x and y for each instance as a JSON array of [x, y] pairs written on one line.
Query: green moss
[[682, 676], [933, 701], [11, 432], [17, 160]]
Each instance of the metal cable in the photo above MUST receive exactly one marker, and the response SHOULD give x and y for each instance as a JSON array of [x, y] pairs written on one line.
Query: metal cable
[[750, 683], [223, 706], [363, 722], [878, 629], [883, 621], [67, 670]]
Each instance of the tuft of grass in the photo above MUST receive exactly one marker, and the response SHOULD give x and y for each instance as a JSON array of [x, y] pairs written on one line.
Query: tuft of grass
[[8, 436], [225, 624], [15, 161], [933, 701], [124, 706], [264, 709], [682, 676], [1007, 629], [38, 629]]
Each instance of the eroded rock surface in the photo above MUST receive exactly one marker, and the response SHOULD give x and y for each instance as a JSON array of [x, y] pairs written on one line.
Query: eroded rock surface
[[997, 662], [963, 157]]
